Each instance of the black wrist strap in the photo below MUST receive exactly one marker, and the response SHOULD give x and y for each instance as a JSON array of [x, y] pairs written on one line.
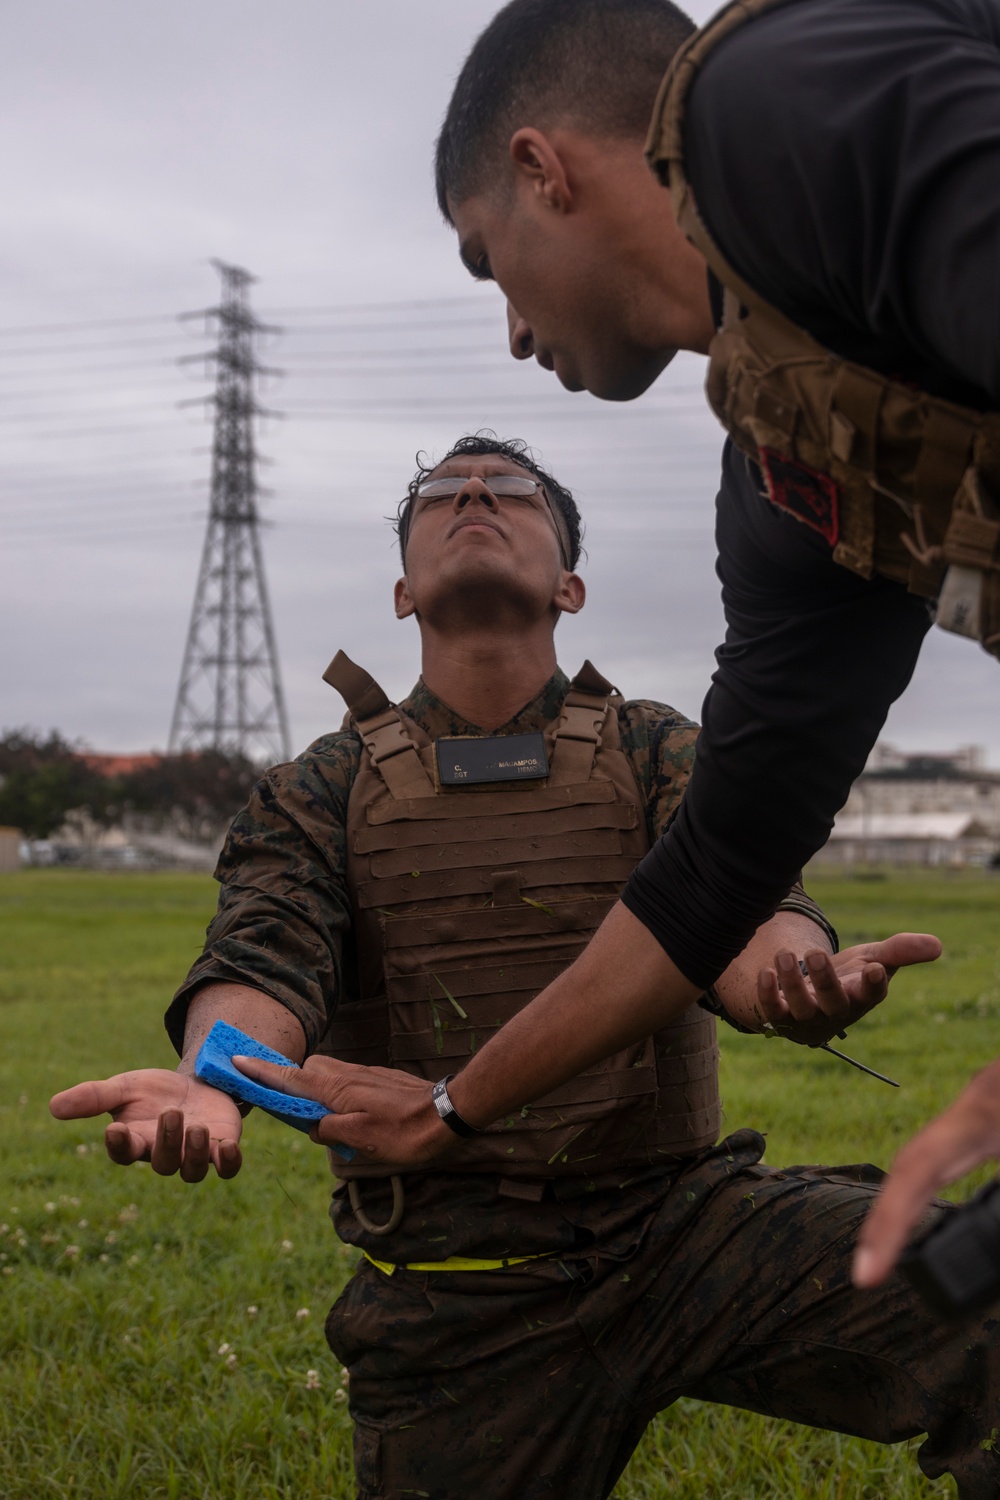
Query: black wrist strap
[[447, 1110]]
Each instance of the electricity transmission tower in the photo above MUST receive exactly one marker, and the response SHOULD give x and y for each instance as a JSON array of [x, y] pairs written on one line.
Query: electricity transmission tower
[[230, 696]]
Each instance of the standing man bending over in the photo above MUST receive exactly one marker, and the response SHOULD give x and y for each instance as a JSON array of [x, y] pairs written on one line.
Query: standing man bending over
[[834, 165], [396, 894]]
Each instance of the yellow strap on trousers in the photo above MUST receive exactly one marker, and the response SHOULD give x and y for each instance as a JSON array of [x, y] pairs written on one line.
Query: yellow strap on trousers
[[454, 1263]]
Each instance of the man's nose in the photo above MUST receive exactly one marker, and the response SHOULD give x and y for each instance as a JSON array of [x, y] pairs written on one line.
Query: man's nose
[[476, 491], [520, 337]]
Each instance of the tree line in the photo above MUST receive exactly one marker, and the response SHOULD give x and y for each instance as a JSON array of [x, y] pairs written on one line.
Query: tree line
[[44, 778]]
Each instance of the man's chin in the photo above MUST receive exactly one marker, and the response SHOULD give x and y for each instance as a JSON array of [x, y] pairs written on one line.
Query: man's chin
[[626, 385], [618, 384]]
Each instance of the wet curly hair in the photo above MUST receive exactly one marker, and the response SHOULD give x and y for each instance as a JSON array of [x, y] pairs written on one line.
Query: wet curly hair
[[475, 445]]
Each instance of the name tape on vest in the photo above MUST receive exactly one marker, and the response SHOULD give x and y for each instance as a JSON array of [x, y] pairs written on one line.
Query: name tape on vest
[[508, 757]]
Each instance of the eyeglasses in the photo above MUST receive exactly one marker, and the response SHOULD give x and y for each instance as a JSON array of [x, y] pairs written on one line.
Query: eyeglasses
[[500, 485]]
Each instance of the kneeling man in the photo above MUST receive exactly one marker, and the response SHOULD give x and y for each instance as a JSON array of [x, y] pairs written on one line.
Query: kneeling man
[[528, 1301]]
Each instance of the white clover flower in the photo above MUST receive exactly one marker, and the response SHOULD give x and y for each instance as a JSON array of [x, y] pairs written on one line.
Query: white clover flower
[[83, 1224], [133, 1260], [231, 1361], [82, 1150], [312, 1380], [111, 1238], [224, 1348], [128, 1215], [340, 1395], [50, 1208], [104, 1258], [286, 1246], [345, 1376], [252, 1311], [302, 1314], [71, 1252]]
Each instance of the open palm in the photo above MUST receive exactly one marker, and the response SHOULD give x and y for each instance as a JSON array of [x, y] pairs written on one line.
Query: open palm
[[169, 1119]]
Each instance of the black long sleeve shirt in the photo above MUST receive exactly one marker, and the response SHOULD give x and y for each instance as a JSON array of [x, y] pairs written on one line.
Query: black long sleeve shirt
[[845, 156]]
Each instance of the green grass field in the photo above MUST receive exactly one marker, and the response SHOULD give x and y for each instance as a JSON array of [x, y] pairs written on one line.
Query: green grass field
[[157, 1340]]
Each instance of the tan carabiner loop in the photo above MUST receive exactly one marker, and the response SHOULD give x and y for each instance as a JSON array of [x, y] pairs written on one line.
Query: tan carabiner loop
[[392, 1222]]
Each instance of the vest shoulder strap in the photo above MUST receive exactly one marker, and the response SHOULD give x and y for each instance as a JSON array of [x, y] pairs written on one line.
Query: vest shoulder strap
[[665, 154], [383, 729], [580, 724], [359, 691]]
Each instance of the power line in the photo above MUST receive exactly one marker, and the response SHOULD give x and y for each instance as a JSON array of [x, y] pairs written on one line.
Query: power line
[[421, 327], [405, 304], [89, 411], [154, 343], [161, 363], [92, 323]]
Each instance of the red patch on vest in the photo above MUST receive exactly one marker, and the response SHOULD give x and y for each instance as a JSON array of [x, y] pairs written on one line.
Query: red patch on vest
[[806, 494]]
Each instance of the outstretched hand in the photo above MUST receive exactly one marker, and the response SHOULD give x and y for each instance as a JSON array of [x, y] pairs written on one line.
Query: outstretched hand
[[962, 1138], [171, 1120], [840, 987], [375, 1110]]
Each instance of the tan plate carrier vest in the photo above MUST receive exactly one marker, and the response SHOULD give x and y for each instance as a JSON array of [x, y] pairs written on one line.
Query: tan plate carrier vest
[[469, 900], [899, 482]]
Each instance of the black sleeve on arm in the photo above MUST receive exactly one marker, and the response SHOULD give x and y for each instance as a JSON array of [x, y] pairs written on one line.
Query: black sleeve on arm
[[846, 157], [813, 658]]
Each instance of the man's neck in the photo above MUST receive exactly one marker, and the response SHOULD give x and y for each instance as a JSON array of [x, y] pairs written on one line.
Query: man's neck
[[486, 679]]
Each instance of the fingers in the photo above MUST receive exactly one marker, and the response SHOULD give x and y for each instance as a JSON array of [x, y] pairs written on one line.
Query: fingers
[[905, 948], [352, 1130], [173, 1149], [319, 1078], [196, 1156], [962, 1138], [820, 993], [772, 1006], [125, 1146], [168, 1145], [870, 990], [227, 1158], [287, 1080], [99, 1096], [188, 1152]]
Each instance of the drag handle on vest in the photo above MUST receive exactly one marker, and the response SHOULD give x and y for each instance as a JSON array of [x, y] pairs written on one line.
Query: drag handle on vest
[[955, 1265]]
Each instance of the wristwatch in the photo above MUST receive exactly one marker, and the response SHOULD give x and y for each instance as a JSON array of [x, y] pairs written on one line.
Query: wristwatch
[[447, 1110]]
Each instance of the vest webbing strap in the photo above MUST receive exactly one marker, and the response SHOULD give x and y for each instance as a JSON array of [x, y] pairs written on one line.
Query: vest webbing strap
[[359, 691], [395, 755], [456, 1263], [381, 728], [584, 710]]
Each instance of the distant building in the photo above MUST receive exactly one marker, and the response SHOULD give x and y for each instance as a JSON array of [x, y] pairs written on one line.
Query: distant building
[[10, 848], [919, 808], [118, 765]]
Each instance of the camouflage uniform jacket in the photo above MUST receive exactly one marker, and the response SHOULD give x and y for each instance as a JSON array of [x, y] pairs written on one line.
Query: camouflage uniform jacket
[[283, 924]]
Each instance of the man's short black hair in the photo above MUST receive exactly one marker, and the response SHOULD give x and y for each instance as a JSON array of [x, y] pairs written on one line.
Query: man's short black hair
[[475, 445], [593, 64]]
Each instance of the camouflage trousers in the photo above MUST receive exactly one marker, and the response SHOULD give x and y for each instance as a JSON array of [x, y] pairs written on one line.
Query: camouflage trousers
[[536, 1382]]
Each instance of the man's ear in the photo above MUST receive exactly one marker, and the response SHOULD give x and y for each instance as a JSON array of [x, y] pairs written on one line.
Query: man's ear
[[402, 599], [539, 166], [571, 594]]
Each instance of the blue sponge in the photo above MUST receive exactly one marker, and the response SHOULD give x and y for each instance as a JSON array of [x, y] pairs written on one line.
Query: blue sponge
[[214, 1065]]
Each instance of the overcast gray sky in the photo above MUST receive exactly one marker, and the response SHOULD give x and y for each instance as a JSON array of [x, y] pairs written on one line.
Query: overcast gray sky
[[295, 140]]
